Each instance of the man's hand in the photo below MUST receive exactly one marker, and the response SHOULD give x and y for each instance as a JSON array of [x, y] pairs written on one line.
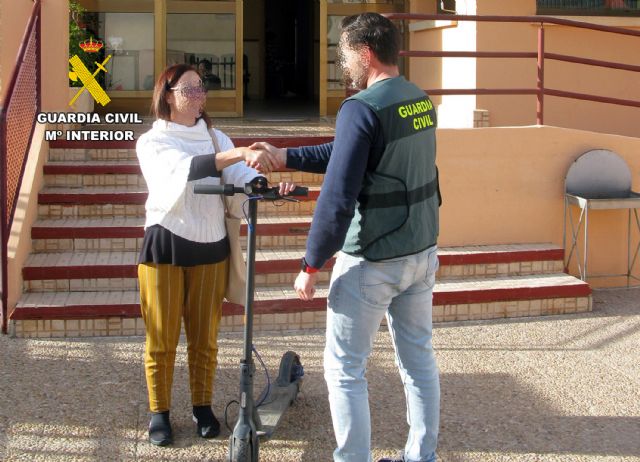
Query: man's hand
[[278, 155], [305, 285], [258, 159]]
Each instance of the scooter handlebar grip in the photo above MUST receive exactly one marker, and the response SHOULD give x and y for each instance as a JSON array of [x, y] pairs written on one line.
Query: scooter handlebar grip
[[223, 189], [299, 191]]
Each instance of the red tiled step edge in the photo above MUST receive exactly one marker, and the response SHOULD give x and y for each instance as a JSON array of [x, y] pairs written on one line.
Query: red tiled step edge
[[115, 197], [293, 305], [133, 310], [92, 169], [517, 293], [501, 256], [37, 273], [279, 141], [102, 232]]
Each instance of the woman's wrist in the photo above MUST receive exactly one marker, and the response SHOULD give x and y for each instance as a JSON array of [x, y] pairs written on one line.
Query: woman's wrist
[[230, 157]]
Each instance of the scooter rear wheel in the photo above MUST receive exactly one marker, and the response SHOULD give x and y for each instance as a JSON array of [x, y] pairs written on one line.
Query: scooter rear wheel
[[289, 364]]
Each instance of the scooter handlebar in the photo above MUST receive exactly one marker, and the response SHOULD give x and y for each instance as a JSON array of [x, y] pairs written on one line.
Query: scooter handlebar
[[222, 189], [269, 193], [299, 191]]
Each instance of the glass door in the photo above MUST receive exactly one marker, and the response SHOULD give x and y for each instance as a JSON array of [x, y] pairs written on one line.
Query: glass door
[[332, 90], [208, 36]]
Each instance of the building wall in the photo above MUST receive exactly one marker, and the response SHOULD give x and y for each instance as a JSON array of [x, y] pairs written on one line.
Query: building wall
[[521, 73], [12, 27], [506, 185], [14, 16]]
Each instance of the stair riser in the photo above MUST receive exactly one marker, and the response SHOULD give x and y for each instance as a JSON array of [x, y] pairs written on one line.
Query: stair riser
[[88, 180], [134, 244], [268, 275], [131, 283], [490, 270], [58, 211], [295, 318], [78, 180], [87, 245], [132, 205], [91, 155]]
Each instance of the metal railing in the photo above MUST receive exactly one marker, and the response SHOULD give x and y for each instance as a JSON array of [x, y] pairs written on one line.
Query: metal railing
[[17, 123], [541, 55], [589, 7]]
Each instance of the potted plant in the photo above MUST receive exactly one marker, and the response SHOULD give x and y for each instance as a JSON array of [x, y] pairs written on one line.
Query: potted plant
[[78, 33]]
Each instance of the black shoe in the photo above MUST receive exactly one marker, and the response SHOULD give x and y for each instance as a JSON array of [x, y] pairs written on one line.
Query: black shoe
[[160, 432], [206, 423]]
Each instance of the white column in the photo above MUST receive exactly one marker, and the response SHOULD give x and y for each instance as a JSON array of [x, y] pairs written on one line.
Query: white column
[[456, 111]]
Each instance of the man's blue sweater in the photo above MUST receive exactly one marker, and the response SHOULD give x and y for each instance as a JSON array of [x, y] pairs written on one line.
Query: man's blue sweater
[[358, 146]]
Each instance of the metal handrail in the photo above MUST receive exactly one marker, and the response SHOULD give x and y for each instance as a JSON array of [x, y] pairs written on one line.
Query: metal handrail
[[541, 55], [9, 196]]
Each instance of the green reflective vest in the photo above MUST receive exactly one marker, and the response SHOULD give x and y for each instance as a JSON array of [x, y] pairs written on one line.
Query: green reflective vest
[[397, 208]]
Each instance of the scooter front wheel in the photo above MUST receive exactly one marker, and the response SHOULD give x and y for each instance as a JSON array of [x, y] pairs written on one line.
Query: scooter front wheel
[[241, 451]]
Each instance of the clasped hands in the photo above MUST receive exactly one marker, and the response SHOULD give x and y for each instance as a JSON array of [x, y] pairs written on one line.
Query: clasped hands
[[265, 158]]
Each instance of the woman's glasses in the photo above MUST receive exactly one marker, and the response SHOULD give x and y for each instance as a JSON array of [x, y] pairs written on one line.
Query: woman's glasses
[[191, 91]]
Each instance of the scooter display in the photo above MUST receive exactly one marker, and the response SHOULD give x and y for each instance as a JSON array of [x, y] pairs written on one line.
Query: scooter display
[[258, 420]]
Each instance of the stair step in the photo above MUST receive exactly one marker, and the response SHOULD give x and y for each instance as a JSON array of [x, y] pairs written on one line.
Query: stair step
[[93, 266], [62, 150], [75, 305], [125, 233], [128, 173], [122, 264], [129, 201], [453, 301]]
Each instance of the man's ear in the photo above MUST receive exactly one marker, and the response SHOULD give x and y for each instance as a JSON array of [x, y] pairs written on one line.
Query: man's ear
[[367, 55]]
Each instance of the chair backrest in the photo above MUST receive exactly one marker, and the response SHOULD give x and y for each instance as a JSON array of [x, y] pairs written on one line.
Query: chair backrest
[[599, 174]]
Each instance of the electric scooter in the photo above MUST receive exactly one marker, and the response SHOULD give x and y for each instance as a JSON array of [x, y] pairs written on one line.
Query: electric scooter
[[258, 420]]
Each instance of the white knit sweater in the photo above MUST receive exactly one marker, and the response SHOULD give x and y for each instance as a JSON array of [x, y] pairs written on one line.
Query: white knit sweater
[[165, 154]]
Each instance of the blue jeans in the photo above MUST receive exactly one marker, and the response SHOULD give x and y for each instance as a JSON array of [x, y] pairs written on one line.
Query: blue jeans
[[360, 294]]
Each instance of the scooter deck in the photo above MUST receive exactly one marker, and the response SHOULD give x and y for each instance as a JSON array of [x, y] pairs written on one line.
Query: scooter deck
[[274, 407]]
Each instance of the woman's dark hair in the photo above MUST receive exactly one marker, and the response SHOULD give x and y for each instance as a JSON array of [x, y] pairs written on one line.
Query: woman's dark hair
[[374, 31], [168, 79]]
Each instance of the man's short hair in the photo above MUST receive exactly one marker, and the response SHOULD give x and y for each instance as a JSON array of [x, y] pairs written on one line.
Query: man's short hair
[[374, 31]]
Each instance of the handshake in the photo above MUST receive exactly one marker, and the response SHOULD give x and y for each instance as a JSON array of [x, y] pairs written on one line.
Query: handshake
[[264, 157]]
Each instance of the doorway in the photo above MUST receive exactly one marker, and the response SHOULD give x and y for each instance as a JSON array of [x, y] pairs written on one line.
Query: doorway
[[285, 45]]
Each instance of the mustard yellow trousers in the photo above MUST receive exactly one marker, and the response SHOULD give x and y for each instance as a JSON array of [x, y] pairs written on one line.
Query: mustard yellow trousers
[[168, 294]]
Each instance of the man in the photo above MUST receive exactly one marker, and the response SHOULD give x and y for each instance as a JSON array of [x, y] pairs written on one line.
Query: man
[[379, 206], [209, 80]]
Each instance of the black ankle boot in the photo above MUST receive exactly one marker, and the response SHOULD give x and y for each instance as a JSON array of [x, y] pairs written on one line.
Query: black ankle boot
[[160, 429], [207, 425]]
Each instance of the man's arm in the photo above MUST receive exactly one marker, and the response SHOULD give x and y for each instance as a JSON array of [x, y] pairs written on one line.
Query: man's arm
[[357, 137], [313, 159]]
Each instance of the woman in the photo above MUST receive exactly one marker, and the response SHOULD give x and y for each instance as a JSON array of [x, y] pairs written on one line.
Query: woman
[[182, 267]]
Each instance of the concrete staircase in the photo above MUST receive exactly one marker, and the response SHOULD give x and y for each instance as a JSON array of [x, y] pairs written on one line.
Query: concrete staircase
[[81, 277]]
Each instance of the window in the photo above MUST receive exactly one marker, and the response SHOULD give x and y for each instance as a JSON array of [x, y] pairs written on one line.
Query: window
[[128, 38], [447, 7], [589, 7], [206, 41]]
